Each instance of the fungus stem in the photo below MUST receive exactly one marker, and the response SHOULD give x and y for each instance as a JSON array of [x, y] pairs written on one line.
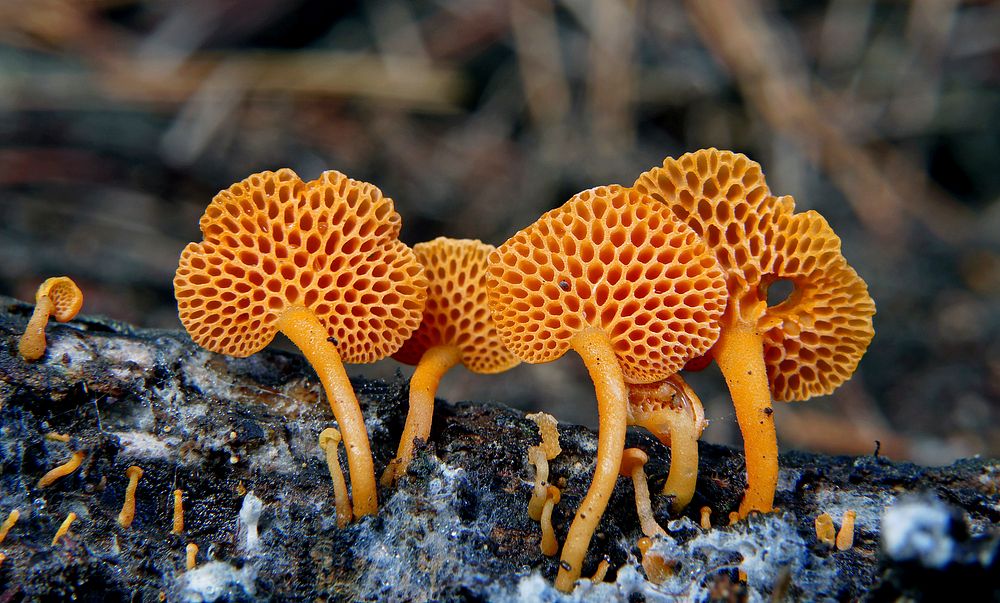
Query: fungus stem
[[594, 346], [683, 459], [178, 512], [304, 330], [740, 355], [32, 344], [9, 523], [434, 363]]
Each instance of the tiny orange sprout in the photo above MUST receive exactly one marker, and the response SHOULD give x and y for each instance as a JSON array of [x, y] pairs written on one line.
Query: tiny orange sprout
[[656, 566], [601, 571], [62, 470], [734, 517], [539, 456], [58, 297], [63, 528], [329, 442], [9, 523], [192, 555], [549, 544], [706, 518], [845, 537], [614, 276], [456, 328], [320, 262], [178, 512], [127, 514], [633, 460], [673, 413], [804, 346], [824, 529], [57, 437]]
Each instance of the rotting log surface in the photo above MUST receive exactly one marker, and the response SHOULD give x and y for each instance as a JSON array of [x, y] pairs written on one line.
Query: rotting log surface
[[234, 432]]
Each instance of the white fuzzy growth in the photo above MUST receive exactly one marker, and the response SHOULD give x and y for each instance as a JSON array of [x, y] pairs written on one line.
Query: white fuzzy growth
[[140, 445], [216, 580], [249, 518], [918, 530]]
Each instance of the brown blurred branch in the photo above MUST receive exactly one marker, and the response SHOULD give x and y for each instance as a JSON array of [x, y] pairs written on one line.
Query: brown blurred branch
[[882, 187]]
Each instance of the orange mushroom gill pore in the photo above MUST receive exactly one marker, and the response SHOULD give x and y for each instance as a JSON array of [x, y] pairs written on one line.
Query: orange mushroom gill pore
[[615, 277], [806, 345], [319, 261], [456, 328]]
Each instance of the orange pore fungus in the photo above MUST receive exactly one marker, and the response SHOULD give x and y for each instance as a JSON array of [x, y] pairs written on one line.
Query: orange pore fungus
[[804, 346], [616, 277], [58, 297], [319, 261], [456, 328], [673, 413]]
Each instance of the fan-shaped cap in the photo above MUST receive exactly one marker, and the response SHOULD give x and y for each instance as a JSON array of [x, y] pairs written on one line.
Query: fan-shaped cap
[[723, 197], [65, 296], [614, 259], [457, 311], [272, 242], [814, 339]]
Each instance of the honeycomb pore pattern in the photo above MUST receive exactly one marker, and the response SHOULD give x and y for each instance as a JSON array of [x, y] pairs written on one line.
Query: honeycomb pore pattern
[[272, 242], [613, 259], [65, 296], [457, 311]]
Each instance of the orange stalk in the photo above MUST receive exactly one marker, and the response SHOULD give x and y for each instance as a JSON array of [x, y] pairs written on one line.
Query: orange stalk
[[304, 330], [32, 343], [683, 459], [594, 346], [434, 363], [740, 355]]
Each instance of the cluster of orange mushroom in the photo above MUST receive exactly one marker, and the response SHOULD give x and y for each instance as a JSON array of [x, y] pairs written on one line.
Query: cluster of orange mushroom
[[641, 281]]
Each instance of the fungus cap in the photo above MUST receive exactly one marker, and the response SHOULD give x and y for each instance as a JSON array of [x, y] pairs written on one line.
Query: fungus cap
[[614, 259], [272, 242], [457, 310], [723, 197], [65, 296], [632, 459], [329, 436], [647, 403], [814, 339]]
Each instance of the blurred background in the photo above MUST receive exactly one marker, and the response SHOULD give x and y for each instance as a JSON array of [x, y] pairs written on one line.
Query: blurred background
[[120, 119]]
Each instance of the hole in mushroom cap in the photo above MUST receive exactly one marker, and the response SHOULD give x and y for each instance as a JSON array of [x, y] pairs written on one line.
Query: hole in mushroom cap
[[779, 291]]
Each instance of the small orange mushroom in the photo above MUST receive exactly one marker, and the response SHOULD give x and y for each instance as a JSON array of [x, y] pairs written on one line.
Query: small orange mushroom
[[456, 328], [658, 569], [63, 470], [319, 261], [804, 346], [617, 278], [706, 518], [539, 456], [8, 523], [824, 529], [549, 544], [178, 527], [58, 297], [601, 572], [845, 537], [673, 413], [63, 528], [633, 460], [127, 514], [329, 442], [191, 553]]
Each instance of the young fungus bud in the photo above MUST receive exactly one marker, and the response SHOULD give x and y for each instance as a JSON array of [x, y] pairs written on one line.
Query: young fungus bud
[[59, 297], [845, 537], [549, 545], [329, 441], [706, 518], [178, 512], [633, 460], [824, 529], [601, 572], [64, 528], [127, 513], [192, 555], [62, 470], [8, 524]]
